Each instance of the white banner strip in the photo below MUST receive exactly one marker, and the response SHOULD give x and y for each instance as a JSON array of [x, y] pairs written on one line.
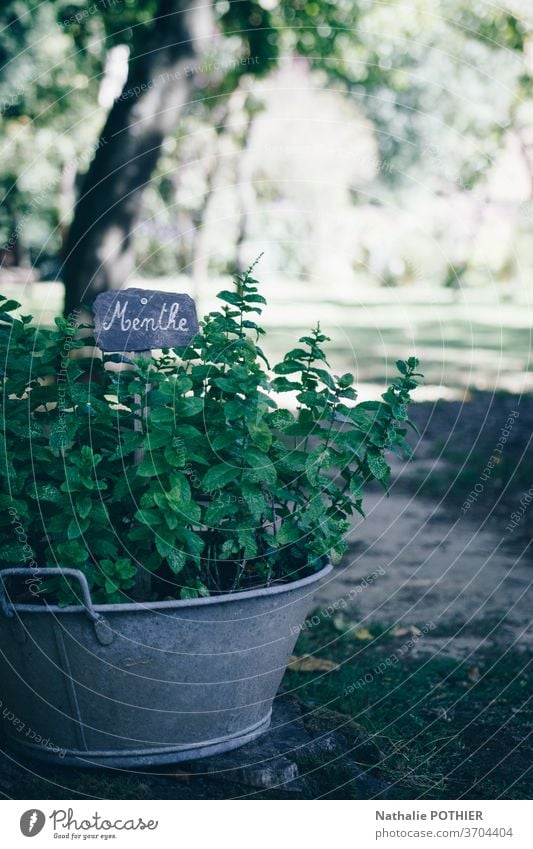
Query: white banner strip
[[360, 824]]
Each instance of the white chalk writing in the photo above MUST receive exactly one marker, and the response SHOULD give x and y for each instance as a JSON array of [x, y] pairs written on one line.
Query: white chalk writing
[[167, 319]]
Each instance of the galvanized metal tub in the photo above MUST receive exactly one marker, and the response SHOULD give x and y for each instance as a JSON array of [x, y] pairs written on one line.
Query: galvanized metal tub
[[145, 683]]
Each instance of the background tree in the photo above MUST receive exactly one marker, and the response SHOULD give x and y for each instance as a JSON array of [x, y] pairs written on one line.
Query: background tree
[[48, 114], [99, 252], [186, 64]]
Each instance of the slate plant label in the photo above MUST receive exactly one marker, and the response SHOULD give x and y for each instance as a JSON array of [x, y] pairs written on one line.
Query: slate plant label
[[141, 319]]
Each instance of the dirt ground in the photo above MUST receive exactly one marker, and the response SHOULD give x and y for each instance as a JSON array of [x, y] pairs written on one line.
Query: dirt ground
[[440, 541], [436, 565]]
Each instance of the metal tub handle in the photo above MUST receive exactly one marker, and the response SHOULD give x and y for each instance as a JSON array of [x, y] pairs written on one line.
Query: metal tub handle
[[103, 631]]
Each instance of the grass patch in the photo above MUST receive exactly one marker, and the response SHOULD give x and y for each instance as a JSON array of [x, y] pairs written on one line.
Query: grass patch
[[443, 729]]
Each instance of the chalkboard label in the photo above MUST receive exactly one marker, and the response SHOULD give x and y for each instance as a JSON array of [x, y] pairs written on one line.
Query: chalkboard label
[[141, 319]]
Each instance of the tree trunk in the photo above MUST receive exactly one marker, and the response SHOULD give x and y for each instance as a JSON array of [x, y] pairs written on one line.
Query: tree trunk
[[99, 250]]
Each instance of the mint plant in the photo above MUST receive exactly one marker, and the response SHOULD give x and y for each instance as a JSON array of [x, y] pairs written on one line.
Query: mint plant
[[233, 491]]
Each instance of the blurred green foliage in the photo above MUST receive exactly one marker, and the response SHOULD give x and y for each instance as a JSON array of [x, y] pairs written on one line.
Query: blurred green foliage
[[441, 88]]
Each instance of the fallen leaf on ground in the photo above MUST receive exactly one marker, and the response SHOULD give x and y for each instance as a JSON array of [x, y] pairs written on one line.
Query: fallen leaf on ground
[[340, 622], [404, 630], [363, 634], [308, 663], [473, 674]]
